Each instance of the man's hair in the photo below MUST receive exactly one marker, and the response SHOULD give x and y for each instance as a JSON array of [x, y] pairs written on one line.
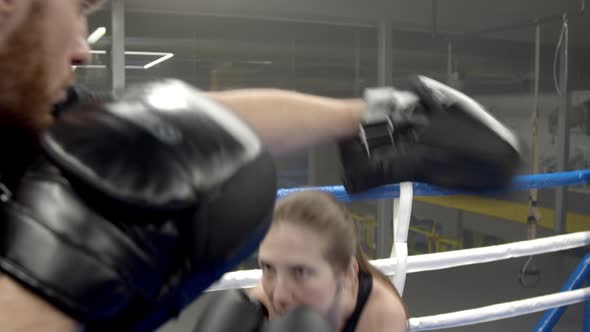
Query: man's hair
[[91, 5]]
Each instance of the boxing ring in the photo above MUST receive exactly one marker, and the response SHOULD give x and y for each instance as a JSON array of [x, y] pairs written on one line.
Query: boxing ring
[[400, 264]]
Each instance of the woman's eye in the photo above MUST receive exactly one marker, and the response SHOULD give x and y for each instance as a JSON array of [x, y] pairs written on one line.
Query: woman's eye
[[266, 268], [300, 272]]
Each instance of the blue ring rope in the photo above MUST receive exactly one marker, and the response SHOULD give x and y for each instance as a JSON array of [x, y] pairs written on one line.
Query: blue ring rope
[[519, 183]]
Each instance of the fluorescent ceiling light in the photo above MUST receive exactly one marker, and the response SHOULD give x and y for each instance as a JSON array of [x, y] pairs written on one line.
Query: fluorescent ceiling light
[[259, 62], [160, 60], [91, 66], [97, 35], [104, 67], [163, 56]]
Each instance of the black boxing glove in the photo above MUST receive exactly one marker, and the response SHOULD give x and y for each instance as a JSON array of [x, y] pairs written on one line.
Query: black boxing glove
[[232, 310], [299, 319], [137, 207], [235, 310], [429, 133]]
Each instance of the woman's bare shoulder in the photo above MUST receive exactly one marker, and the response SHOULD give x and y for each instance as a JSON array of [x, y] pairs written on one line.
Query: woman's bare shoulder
[[384, 310]]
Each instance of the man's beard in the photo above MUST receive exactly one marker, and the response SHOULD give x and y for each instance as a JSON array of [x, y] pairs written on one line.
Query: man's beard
[[25, 96]]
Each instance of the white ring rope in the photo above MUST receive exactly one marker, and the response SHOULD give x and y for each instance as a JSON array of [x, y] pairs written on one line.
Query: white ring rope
[[498, 311], [443, 260]]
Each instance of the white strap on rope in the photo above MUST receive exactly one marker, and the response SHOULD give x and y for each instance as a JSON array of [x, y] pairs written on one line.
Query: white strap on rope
[[401, 225]]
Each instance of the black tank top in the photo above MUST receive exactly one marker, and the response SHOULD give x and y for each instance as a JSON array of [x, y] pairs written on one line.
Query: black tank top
[[365, 287]]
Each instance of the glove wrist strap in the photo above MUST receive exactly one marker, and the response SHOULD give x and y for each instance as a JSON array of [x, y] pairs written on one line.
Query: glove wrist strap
[[376, 128]]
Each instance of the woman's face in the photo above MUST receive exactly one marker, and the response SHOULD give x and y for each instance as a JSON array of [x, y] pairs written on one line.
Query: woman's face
[[295, 271]]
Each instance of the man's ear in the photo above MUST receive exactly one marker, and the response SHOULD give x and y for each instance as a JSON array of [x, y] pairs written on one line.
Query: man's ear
[[12, 12], [7, 10], [7, 7]]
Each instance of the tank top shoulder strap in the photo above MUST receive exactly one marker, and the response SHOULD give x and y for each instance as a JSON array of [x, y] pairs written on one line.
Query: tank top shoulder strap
[[365, 288]]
